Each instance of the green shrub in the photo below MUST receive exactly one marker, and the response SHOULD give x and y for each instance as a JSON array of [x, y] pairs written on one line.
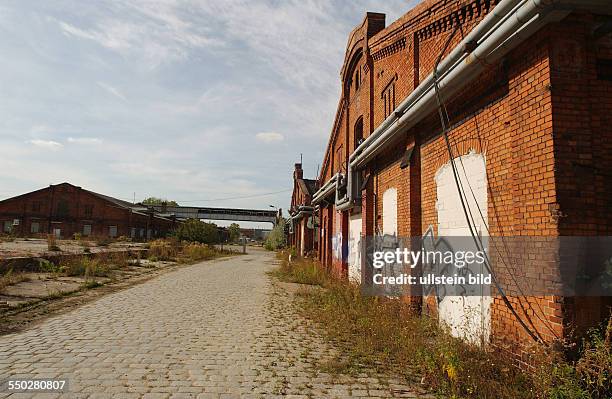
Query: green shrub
[[276, 239], [47, 266], [594, 368], [194, 230]]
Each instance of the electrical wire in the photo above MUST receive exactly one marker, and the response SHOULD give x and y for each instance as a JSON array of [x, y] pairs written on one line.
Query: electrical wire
[[224, 199], [511, 267], [242, 197], [460, 190]]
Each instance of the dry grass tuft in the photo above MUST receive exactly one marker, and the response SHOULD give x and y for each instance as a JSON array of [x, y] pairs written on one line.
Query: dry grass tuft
[[385, 334], [164, 250], [12, 278]]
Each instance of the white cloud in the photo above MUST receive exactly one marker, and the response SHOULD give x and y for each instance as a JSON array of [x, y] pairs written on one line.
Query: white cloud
[[84, 140], [112, 90], [49, 144], [154, 32], [268, 137], [200, 78]]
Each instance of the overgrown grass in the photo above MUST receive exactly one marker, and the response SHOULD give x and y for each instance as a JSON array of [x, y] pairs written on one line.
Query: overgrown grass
[[52, 243], [183, 252], [301, 271], [85, 267], [386, 334], [164, 250], [11, 278]]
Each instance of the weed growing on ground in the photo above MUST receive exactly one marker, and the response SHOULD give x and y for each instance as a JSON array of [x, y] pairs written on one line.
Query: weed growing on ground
[[46, 266], [183, 252], [164, 250], [85, 266], [301, 271], [386, 334], [12, 278], [92, 284], [52, 243]]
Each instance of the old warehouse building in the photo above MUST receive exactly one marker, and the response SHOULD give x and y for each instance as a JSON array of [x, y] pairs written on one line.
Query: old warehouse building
[[301, 224], [525, 92], [65, 210]]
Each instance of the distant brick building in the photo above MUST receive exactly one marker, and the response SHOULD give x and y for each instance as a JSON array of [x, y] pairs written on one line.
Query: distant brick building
[[529, 102], [301, 222], [65, 210]]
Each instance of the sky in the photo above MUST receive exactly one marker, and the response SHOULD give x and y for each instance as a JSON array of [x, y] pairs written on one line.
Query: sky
[[208, 103]]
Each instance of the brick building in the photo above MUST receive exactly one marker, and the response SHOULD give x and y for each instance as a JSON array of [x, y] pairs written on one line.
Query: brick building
[[528, 91], [65, 210], [301, 224]]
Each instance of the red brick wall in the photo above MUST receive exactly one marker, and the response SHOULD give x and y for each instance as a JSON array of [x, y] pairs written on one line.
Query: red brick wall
[[64, 207], [541, 118]]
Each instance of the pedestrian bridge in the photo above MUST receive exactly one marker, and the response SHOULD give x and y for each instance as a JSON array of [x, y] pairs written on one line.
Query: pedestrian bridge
[[242, 215]]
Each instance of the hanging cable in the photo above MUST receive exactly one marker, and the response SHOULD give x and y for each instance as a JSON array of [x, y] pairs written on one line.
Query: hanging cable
[[458, 184], [512, 268]]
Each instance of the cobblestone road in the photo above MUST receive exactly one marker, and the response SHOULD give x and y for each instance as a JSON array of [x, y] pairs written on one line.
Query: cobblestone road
[[217, 329]]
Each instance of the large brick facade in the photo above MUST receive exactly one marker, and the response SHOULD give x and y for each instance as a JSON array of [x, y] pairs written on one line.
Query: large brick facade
[[65, 210], [538, 122]]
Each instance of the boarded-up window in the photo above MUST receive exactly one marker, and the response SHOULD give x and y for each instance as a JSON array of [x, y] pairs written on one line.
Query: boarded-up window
[[466, 317], [62, 209], [388, 97], [358, 132], [340, 164], [112, 231], [389, 211], [36, 206], [86, 229], [8, 226], [34, 227], [88, 210]]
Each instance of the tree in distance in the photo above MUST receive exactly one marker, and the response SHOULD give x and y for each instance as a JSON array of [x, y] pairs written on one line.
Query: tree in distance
[[194, 230], [234, 232], [158, 201]]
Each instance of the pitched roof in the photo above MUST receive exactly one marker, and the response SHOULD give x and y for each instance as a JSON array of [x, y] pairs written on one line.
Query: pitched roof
[[307, 186], [311, 184], [135, 208]]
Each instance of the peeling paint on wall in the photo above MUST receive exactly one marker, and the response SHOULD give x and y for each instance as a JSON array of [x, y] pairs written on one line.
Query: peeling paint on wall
[[468, 317], [389, 211], [354, 248]]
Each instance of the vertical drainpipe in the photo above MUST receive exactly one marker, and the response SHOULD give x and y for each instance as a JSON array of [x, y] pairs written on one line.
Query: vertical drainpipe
[[344, 220]]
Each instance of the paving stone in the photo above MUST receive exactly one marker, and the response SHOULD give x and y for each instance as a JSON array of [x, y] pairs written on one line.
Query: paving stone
[[217, 329]]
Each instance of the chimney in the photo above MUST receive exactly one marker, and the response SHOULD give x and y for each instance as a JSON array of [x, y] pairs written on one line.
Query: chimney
[[298, 173]]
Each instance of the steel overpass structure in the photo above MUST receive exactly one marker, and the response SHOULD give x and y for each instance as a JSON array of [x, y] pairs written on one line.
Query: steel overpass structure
[[194, 212]]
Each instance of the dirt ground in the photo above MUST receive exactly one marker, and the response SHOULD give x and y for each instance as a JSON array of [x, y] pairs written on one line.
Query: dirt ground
[[36, 247], [30, 302]]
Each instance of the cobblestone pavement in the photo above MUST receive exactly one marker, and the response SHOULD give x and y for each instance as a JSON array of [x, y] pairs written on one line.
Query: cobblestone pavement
[[217, 329]]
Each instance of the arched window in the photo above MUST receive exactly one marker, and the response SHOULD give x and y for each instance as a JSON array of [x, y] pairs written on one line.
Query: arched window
[[352, 74], [358, 132]]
